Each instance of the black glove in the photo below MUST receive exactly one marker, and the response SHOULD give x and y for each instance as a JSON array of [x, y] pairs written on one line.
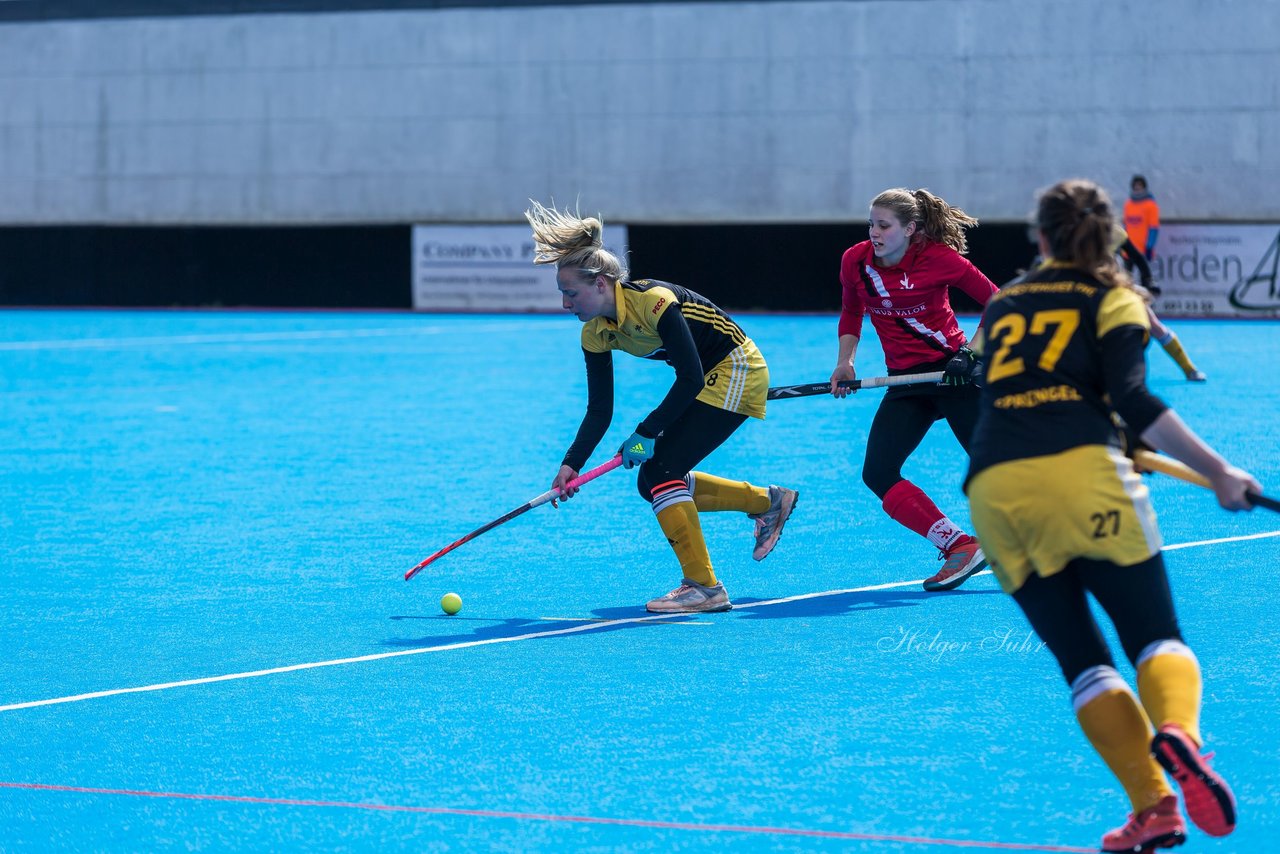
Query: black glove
[[1152, 288], [963, 368]]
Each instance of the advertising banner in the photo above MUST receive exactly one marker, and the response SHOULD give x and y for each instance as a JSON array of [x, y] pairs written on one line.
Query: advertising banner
[[1206, 270], [487, 268]]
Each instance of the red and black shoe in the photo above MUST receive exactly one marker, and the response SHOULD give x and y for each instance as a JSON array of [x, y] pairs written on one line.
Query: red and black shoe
[[1208, 798], [962, 560]]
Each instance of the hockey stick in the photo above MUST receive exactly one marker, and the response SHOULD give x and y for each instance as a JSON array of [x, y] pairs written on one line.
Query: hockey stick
[[1182, 471], [807, 389], [549, 495]]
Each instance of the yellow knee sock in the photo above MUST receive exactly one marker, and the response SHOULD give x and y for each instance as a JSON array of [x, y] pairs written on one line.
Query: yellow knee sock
[[713, 494], [1169, 685], [1118, 729], [1173, 346], [679, 521]]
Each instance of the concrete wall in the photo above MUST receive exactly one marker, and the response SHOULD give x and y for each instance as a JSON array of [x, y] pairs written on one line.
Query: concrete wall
[[766, 112]]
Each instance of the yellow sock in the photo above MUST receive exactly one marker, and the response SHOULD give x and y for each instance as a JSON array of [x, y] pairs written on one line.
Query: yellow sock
[[1169, 685], [1118, 729], [713, 494], [1173, 347], [679, 521]]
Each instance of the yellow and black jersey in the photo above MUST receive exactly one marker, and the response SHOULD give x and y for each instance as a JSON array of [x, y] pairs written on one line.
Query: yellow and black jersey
[[642, 303], [1062, 350], [715, 362]]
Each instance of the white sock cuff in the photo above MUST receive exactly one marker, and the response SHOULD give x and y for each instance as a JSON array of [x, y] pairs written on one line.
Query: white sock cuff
[[669, 494], [944, 532], [1094, 682], [1167, 646]]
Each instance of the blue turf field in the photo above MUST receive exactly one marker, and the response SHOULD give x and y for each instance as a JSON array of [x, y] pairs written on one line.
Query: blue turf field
[[188, 496]]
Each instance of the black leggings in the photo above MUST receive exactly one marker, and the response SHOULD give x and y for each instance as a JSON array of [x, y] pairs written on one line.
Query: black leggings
[[1136, 598], [900, 424], [698, 431]]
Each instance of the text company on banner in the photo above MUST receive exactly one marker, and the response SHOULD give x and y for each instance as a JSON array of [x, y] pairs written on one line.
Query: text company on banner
[[486, 268], [1215, 270]]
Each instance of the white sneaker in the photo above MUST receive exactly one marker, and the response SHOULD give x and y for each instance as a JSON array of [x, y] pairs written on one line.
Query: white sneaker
[[769, 523], [691, 598]]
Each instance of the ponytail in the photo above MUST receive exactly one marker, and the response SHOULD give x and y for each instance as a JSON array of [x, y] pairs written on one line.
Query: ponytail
[[1079, 226], [569, 240]]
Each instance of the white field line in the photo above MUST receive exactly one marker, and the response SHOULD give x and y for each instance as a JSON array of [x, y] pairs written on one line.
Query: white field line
[[1238, 539], [586, 627], [377, 656], [257, 337]]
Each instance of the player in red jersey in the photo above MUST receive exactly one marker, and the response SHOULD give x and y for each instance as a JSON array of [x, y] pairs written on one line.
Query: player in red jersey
[[901, 277]]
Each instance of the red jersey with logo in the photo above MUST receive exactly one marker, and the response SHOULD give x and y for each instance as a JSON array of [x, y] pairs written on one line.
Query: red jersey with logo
[[909, 303]]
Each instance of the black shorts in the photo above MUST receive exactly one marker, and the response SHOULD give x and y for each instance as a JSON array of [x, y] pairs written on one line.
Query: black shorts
[[904, 417], [1136, 598]]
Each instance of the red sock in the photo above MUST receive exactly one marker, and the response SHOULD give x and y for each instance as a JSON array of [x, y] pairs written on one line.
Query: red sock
[[907, 504]]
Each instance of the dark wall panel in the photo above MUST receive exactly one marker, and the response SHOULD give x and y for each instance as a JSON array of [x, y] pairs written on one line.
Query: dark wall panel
[[790, 267], [742, 267], [287, 267]]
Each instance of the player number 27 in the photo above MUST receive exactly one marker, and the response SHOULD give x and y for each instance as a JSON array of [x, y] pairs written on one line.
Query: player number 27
[[1105, 524], [1012, 328]]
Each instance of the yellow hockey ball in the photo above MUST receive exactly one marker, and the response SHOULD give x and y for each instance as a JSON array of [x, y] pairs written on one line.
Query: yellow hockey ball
[[451, 603]]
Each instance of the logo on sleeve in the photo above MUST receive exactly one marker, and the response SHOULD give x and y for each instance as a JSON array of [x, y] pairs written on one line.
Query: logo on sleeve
[[659, 304]]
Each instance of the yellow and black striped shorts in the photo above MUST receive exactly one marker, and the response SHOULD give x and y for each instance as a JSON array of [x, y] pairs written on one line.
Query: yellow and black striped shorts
[[739, 382], [1039, 513]]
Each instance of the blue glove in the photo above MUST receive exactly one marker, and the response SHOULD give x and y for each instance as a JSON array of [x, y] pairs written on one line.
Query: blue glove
[[636, 450], [962, 368]]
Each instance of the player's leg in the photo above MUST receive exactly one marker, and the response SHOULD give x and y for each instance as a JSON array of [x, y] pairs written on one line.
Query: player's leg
[[1169, 683], [1172, 345], [899, 425], [1036, 516], [740, 383], [1107, 710], [769, 506], [960, 405], [664, 480]]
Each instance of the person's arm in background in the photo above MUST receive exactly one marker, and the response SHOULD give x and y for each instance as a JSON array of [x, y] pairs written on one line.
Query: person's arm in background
[[1153, 229]]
